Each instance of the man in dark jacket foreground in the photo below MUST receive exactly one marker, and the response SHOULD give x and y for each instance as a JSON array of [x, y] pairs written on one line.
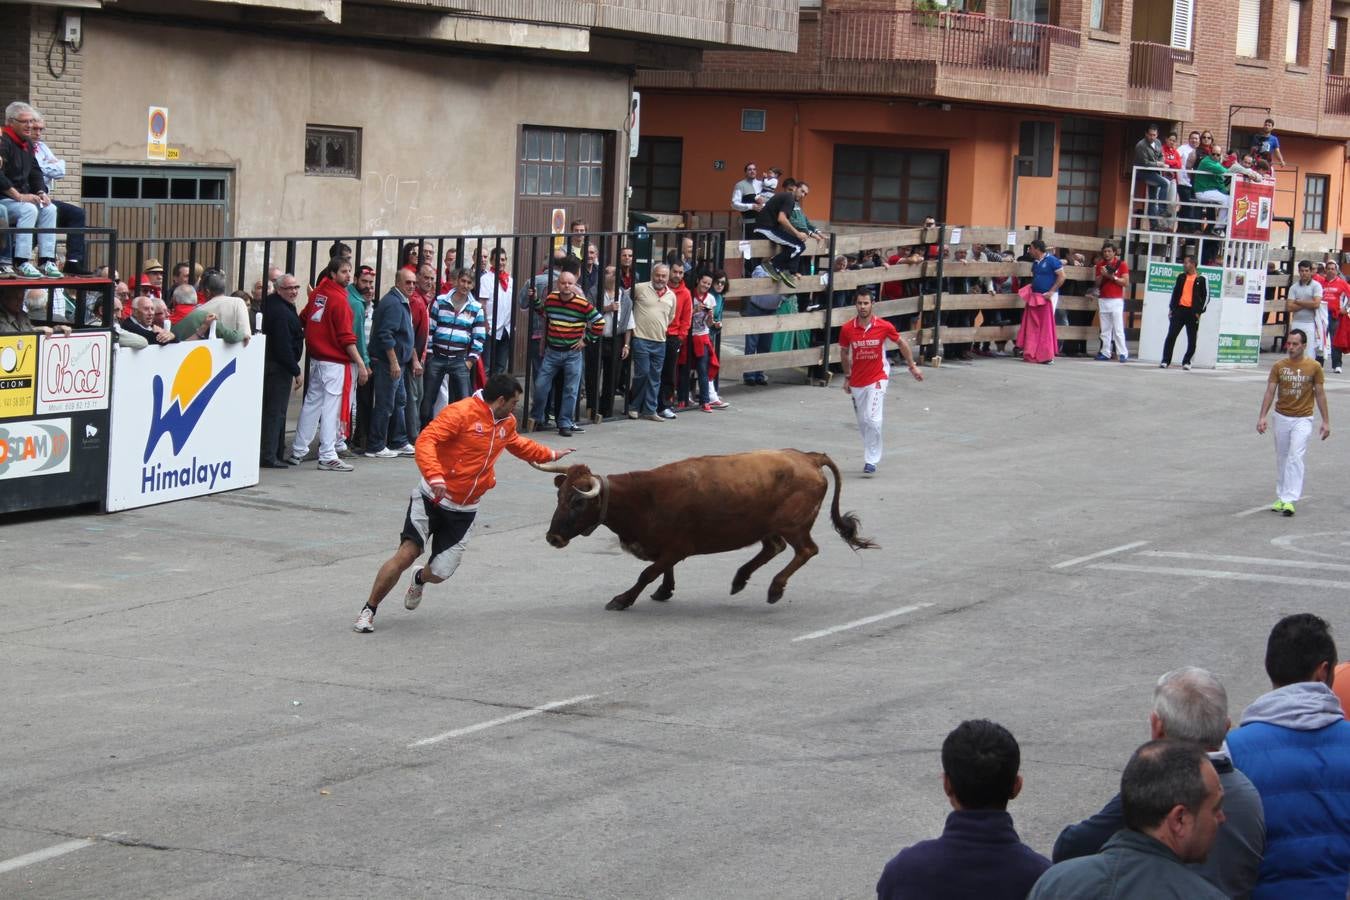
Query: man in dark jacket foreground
[[979, 855]]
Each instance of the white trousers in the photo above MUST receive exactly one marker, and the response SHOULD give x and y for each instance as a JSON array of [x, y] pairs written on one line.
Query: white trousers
[[321, 409], [1112, 315], [1220, 198], [868, 404], [1291, 442]]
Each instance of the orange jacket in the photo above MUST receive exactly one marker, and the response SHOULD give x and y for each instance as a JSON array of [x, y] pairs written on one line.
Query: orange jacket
[[460, 447]]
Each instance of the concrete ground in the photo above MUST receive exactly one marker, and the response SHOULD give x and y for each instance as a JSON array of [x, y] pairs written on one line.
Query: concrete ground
[[189, 714]]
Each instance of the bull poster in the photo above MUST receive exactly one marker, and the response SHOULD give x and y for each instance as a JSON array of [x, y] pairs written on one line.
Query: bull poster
[[1252, 209]]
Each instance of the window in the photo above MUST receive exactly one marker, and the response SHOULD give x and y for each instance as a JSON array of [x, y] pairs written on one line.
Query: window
[[1293, 43], [1183, 18], [881, 185], [1315, 203], [655, 175], [1333, 32], [1036, 140], [1039, 11], [331, 150], [1097, 19], [557, 163], [753, 119], [1249, 30], [101, 183]]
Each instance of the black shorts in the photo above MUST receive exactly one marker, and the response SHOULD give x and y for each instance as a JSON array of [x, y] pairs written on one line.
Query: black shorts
[[448, 530]]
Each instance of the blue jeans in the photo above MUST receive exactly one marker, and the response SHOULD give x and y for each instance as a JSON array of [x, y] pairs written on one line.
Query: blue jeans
[[68, 215], [648, 358], [388, 423], [438, 369], [28, 215], [756, 343], [1156, 185], [569, 363]]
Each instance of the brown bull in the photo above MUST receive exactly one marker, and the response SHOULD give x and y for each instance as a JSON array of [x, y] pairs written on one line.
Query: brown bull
[[708, 504]]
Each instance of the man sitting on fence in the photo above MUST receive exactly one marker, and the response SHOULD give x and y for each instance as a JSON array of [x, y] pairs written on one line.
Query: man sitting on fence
[[23, 194], [775, 225]]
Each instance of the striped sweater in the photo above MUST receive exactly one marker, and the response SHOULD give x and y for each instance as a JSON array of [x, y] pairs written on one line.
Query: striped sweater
[[568, 321], [457, 333]]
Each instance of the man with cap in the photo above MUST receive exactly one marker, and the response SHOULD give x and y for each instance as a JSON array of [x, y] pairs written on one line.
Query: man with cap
[[151, 280]]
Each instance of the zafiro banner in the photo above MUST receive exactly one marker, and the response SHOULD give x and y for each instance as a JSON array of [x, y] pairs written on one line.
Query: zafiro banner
[[1253, 206], [186, 420]]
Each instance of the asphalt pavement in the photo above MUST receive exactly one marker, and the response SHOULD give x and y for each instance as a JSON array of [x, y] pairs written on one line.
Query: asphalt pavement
[[190, 715]]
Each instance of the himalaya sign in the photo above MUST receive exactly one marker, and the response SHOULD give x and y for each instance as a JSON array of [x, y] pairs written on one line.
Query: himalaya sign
[[185, 421]]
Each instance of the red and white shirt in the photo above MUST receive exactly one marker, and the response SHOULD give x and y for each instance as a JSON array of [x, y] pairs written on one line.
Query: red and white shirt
[[867, 346]]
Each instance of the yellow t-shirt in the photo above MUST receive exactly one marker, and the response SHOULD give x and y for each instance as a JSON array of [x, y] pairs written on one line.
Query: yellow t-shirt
[[1294, 383]]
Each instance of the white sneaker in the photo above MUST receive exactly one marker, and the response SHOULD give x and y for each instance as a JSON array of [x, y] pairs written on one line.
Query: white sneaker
[[365, 623], [1337, 370], [406, 450], [386, 453], [667, 413], [334, 465], [414, 595], [1186, 367]]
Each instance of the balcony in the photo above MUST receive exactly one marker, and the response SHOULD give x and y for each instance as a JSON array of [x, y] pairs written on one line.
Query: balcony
[[960, 40], [1337, 101], [1153, 66]]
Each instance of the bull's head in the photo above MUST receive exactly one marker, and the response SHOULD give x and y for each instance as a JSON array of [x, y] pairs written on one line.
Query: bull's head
[[580, 502]]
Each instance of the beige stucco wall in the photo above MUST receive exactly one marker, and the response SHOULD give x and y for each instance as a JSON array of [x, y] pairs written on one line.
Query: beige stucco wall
[[439, 132]]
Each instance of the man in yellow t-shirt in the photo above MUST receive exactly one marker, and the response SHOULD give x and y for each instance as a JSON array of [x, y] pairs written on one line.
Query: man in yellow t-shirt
[[1294, 384]]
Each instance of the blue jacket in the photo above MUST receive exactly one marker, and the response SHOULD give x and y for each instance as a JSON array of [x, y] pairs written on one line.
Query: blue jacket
[[1131, 866], [1294, 744], [392, 327], [978, 857]]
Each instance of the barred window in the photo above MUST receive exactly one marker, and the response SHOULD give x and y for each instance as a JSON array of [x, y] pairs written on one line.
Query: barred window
[[332, 150]]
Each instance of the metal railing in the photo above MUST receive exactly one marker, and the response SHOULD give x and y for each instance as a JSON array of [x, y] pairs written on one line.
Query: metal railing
[[965, 40], [71, 299], [1337, 101]]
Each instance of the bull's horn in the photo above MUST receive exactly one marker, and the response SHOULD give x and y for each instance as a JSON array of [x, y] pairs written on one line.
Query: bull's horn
[[594, 490], [554, 466]]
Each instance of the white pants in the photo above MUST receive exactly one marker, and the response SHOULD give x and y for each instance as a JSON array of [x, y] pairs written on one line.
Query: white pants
[[868, 404], [320, 412], [1291, 442], [1112, 314], [1217, 197]]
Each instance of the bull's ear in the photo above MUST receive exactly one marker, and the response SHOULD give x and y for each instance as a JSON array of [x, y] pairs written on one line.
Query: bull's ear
[[558, 480]]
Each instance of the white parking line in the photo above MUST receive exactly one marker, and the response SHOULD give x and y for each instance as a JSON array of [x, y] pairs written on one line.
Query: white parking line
[[1090, 557], [514, 717], [858, 623], [1248, 560], [1222, 574], [37, 856], [1251, 512]]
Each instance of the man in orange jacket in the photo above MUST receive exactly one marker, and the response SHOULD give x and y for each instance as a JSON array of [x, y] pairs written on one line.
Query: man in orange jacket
[[456, 453]]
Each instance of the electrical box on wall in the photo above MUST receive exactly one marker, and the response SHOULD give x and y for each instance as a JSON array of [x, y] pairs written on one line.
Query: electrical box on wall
[[70, 27]]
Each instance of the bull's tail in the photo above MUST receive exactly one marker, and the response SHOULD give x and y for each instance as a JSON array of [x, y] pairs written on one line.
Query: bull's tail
[[846, 525]]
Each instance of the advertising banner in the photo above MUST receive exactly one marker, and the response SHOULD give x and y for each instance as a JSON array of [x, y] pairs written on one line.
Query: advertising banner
[[1243, 296], [74, 372], [186, 420], [1159, 279], [34, 448], [1250, 215], [18, 367]]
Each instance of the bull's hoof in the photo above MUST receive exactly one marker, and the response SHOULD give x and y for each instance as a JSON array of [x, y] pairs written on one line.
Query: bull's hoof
[[662, 595], [738, 585], [618, 603], [775, 596]]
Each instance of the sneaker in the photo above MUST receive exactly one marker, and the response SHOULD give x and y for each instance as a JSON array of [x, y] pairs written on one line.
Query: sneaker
[[1288, 510], [707, 407], [26, 270], [292, 460], [414, 595], [769, 269], [76, 268], [407, 450], [7, 271], [565, 432], [1124, 358], [652, 417], [1277, 506], [345, 453], [667, 413], [386, 453], [50, 270], [1102, 357], [1337, 370], [1185, 367], [720, 404], [365, 623], [1162, 365], [577, 429], [788, 279], [633, 414], [869, 469], [334, 465]]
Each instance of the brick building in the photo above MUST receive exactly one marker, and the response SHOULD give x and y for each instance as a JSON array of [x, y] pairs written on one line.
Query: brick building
[[320, 117], [893, 109]]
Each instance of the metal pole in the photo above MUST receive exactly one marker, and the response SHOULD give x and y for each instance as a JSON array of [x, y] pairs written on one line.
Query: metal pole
[[829, 305], [937, 300]]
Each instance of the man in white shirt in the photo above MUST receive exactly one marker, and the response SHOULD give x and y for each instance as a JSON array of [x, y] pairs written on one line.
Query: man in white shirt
[[745, 199], [1304, 302], [68, 215], [1185, 193]]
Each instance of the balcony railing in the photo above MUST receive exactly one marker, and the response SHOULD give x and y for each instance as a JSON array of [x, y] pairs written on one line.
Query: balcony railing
[[955, 39], [1338, 95], [1152, 65]]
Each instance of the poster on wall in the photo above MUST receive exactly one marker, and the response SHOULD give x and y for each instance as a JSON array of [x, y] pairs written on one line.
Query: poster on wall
[[186, 420], [1243, 305], [74, 372], [1250, 215], [157, 133]]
